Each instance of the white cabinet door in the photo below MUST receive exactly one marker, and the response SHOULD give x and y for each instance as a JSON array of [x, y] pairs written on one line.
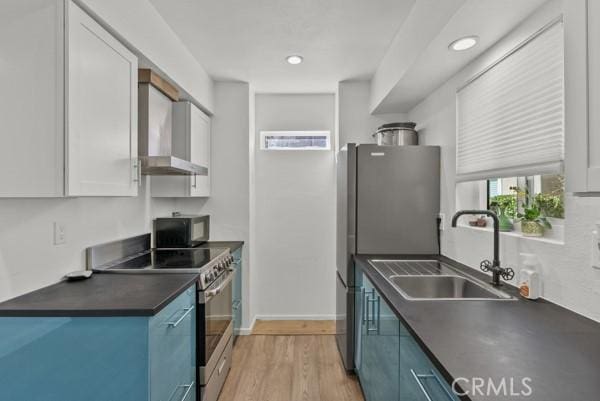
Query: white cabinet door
[[594, 95], [582, 90], [199, 150], [31, 99], [101, 138]]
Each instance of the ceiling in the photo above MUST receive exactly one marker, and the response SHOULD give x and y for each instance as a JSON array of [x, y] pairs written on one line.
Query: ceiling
[[433, 64], [248, 40]]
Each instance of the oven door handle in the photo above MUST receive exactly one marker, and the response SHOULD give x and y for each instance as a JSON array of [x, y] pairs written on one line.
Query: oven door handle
[[208, 294]]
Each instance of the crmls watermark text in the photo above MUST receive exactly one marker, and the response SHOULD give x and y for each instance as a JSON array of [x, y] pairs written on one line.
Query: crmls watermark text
[[506, 386]]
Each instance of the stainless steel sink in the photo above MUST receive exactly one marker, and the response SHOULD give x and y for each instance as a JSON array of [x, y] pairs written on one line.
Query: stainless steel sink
[[432, 280], [443, 288]]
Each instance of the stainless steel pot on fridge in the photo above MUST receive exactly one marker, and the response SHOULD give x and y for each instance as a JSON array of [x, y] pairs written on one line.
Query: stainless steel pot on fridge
[[397, 134]]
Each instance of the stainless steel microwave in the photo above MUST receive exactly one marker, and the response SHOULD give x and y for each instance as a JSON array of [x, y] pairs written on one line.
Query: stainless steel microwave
[[181, 231]]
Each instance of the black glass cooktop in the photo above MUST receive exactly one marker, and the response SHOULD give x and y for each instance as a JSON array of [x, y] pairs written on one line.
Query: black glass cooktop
[[192, 258]]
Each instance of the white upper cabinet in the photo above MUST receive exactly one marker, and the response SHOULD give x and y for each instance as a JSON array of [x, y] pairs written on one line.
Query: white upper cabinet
[[191, 141], [582, 84], [102, 111], [31, 102], [69, 104]]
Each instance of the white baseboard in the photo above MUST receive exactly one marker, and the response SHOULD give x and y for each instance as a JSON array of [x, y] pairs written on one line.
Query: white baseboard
[[246, 331], [294, 317]]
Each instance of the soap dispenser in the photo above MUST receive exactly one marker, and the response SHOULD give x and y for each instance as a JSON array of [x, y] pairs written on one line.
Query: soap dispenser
[[529, 277]]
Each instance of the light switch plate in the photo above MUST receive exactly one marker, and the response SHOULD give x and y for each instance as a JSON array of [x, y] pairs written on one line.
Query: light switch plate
[[60, 233]]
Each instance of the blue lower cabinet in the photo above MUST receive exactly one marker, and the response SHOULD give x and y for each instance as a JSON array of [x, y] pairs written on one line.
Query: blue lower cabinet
[[419, 379], [100, 358], [378, 345], [237, 292], [390, 364]]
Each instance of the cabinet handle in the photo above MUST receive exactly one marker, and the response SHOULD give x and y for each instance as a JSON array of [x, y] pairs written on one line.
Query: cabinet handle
[[176, 323], [188, 388], [378, 326], [431, 375], [236, 305], [363, 296], [138, 172], [195, 184], [372, 300]]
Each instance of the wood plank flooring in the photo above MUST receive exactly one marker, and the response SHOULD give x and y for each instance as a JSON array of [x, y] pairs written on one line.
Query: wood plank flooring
[[288, 368], [293, 327]]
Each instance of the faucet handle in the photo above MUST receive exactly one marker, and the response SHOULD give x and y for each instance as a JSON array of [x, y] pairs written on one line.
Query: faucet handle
[[508, 274], [485, 266]]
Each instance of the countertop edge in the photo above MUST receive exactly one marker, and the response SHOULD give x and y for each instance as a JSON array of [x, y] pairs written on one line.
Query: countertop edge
[[91, 312]]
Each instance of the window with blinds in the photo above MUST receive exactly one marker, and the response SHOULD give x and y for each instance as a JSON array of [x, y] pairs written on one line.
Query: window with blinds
[[510, 117]]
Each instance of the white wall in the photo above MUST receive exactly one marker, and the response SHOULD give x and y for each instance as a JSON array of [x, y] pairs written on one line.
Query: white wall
[[294, 213], [143, 29], [228, 204], [28, 258], [567, 275], [356, 123]]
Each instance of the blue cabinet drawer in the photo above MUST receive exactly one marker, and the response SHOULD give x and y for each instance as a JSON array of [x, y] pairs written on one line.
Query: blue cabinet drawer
[[419, 378], [172, 344]]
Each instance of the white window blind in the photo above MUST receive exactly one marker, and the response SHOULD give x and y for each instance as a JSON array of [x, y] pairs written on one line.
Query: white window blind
[[510, 118]]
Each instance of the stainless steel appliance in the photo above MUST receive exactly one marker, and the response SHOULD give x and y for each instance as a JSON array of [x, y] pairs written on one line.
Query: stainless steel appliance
[[214, 312], [397, 134], [161, 153], [388, 203], [181, 231]]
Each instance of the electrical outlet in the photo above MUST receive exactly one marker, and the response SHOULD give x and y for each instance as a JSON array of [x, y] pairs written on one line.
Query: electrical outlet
[[60, 233], [442, 218]]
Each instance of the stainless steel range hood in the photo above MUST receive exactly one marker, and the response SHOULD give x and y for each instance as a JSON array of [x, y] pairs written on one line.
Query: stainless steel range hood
[[157, 152]]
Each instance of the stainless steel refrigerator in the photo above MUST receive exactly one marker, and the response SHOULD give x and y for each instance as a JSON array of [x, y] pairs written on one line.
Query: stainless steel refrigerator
[[388, 202]]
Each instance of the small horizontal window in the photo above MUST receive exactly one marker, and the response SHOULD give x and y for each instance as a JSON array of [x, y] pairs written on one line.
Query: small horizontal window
[[295, 140]]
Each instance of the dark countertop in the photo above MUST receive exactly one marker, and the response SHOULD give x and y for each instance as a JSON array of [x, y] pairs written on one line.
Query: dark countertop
[[101, 295], [558, 349], [232, 245]]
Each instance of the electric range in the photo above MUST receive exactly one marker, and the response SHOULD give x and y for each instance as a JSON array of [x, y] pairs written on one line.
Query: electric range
[[214, 316]]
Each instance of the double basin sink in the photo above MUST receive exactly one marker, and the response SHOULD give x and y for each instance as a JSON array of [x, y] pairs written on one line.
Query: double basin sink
[[430, 280]]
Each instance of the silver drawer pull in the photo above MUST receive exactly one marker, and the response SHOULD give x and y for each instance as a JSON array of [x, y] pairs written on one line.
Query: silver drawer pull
[[188, 388], [222, 365], [431, 375], [176, 323]]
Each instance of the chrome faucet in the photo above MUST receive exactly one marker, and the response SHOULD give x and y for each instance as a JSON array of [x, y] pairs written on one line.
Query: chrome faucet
[[497, 271]]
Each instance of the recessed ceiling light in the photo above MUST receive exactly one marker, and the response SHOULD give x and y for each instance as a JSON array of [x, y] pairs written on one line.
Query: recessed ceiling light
[[294, 59], [463, 43]]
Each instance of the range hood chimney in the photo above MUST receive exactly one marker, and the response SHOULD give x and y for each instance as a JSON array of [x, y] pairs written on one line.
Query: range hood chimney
[[155, 128]]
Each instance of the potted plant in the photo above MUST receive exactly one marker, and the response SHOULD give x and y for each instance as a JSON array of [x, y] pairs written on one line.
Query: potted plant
[[504, 206], [533, 221]]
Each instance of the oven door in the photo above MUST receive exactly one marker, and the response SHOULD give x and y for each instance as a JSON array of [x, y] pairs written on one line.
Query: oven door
[[215, 324]]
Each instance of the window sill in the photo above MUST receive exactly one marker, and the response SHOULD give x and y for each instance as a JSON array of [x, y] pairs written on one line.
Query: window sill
[[517, 234]]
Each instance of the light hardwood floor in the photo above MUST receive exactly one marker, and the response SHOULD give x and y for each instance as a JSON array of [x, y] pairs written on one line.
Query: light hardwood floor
[[293, 327], [288, 368]]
